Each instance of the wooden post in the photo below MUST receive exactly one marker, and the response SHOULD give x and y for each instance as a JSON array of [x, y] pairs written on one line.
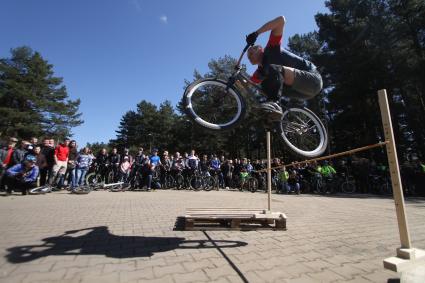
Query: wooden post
[[394, 170], [269, 172]]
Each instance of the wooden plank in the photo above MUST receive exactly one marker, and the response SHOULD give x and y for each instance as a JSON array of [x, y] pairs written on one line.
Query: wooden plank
[[394, 170]]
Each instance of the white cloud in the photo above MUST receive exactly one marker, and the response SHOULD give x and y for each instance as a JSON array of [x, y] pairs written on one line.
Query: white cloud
[[163, 19]]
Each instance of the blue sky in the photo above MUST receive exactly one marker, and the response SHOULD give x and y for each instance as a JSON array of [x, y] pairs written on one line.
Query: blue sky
[[114, 53]]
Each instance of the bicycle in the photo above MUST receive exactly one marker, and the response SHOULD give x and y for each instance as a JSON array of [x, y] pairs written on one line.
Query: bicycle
[[101, 174], [199, 181], [218, 105]]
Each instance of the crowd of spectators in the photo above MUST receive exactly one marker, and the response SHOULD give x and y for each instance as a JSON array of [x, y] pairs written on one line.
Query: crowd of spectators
[[31, 163]]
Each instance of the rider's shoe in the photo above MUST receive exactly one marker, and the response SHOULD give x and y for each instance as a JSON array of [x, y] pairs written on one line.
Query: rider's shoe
[[273, 111]]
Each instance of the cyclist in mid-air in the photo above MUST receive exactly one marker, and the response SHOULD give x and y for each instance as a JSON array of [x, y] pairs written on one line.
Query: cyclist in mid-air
[[280, 69]]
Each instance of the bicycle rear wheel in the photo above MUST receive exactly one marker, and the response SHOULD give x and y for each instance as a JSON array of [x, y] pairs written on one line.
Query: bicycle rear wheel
[[168, 182], [252, 184], [348, 187], [209, 183], [211, 104], [93, 179], [195, 183], [83, 190], [303, 132], [179, 182], [41, 190]]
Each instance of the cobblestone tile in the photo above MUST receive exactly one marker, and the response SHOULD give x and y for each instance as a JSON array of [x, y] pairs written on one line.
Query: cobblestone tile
[[160, 271], [130, 276], [195, 276]]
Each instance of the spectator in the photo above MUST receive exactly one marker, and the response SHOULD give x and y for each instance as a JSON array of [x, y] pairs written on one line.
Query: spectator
[[114, 162], [72, 160], [283, 176], [23, 176], [34, 141], [227, 171], [48, 151], [155, 159], [147, 171], [41, 159], [192, 161], [83, 162], [125, 167], [61, 160], [19, 154], [126, 153], [204, 165], [293, 182], [6, 160], [102, 163]]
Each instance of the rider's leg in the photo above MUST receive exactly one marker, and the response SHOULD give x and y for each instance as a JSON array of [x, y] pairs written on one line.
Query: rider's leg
[[301, 84]]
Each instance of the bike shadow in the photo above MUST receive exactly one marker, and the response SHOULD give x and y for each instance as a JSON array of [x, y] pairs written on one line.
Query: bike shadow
[[99, 241]]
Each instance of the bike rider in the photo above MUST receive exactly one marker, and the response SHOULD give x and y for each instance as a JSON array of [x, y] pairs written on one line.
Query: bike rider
[[278, 69]]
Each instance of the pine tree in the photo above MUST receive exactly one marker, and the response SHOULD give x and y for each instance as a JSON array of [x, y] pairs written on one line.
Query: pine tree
[[33, 102]]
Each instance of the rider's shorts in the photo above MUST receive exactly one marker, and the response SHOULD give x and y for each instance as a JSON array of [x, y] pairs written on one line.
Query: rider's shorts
[[307, 84]]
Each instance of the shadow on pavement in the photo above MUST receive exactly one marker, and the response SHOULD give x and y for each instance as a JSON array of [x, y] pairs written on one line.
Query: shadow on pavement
[[99, 241]]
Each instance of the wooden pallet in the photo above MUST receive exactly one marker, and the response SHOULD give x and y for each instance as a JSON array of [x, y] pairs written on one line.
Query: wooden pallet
[[233, 219]]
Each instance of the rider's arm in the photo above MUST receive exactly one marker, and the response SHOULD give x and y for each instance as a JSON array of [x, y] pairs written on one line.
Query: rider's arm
[[276, 26]]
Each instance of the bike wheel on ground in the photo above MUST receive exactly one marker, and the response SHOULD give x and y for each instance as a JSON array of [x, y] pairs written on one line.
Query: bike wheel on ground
[[41, 190], [179, 182], [252, 184], [213, 105], [196, 183], [209, 183], [348, 187], [303, 132], [82, 190], [168, 182]]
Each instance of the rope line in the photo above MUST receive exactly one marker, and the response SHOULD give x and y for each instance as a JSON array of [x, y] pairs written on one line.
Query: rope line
[[329, 156]]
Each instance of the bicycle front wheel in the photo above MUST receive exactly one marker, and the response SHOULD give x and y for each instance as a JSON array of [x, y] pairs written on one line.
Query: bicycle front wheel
[[211, 104], [303, 132], [348, 187]]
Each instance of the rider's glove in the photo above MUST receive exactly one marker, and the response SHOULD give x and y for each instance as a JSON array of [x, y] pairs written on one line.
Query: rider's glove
[[251, 38]]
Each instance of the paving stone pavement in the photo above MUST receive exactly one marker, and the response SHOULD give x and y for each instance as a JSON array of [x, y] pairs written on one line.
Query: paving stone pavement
[[129, 237]]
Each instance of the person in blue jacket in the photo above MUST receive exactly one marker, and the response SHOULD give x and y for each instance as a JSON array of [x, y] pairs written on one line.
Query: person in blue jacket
[[23, 176]]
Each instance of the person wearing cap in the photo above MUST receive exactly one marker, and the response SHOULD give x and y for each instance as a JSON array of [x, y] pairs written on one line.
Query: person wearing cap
[[22, 176]]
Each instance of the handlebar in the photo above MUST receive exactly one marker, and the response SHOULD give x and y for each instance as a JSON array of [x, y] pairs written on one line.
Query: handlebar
[[243, 53]]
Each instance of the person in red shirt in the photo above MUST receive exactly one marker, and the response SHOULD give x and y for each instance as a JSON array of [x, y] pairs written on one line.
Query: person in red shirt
[[6, 160], [61, 161], [279, 71]]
